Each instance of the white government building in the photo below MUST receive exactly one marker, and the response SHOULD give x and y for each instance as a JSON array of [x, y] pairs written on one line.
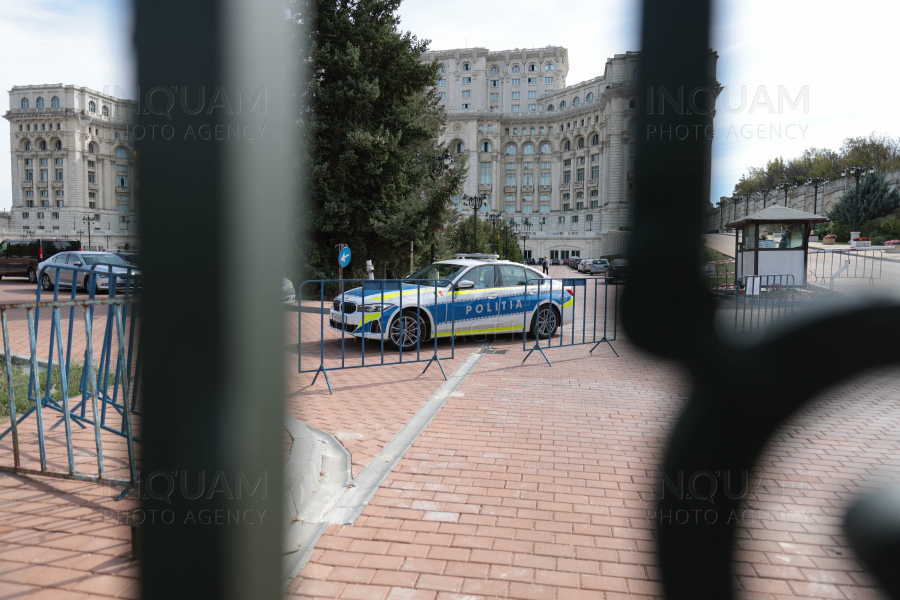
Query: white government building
[[72, 160], [558, 161]]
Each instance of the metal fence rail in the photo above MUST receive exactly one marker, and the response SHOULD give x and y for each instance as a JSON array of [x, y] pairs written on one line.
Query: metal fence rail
[[433, 305], [824, 266], [765, 300], [113, 454], [581, 308]]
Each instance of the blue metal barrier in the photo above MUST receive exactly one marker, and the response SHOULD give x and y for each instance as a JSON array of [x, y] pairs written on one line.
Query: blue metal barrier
[[94, 383], [550, 300], [432, 300]]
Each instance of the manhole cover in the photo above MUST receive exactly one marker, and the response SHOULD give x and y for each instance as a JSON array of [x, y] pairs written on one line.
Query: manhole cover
[[492, 351]]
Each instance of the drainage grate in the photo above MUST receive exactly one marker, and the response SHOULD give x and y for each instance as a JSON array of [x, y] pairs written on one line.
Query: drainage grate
[[492, 351]]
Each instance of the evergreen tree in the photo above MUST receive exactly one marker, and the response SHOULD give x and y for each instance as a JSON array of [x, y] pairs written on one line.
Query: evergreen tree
[[371, 125], [876, 199]]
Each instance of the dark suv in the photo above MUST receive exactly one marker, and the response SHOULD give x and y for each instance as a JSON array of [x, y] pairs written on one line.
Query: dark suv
[[20, 258]]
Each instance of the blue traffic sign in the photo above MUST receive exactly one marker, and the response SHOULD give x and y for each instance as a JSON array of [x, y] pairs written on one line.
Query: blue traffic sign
[[344, 257]]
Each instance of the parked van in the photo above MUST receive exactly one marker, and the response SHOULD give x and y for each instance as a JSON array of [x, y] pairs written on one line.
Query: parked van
[[20, 258]]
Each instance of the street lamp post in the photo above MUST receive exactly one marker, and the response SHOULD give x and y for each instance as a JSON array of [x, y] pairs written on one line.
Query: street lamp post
[[857, 172], [786, 186], [746, 198], [816, 182], [494, 217], [524, 237], [88, 220], [764, 194], [475, 202]]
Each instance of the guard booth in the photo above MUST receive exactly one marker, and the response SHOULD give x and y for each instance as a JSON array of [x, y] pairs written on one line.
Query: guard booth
[[773, 241]]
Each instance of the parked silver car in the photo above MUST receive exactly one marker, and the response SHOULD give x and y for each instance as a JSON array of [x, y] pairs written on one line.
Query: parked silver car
[[599, 266], [584, 266], [106, 262]]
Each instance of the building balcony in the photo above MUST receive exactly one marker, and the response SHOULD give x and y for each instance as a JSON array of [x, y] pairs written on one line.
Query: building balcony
[[485, 187], [28, 184], [564, 186], [93, 186], [546, 188], [121, 189], [509, 189], [631, 174], [56, 183], [42, 184], [527, 188], [593, 182]]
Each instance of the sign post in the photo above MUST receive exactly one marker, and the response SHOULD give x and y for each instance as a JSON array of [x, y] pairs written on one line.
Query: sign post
[[343, 261]]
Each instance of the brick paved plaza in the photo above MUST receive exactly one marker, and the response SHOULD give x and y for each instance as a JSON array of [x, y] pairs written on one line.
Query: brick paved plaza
[[532, 482]]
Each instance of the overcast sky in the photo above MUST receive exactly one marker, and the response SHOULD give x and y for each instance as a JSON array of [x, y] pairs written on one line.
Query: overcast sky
[[840, 57]]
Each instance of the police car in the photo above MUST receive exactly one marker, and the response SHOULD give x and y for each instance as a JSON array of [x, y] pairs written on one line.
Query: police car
[[471, 295]]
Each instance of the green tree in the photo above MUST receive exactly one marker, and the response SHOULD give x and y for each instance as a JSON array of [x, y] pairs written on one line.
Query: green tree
[[459, 238], [371, 127], [876, 199]]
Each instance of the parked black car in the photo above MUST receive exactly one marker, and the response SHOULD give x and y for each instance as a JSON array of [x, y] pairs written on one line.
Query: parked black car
[[130, 257], [619, 269], [554, 261], [20, 258], [531, 261]]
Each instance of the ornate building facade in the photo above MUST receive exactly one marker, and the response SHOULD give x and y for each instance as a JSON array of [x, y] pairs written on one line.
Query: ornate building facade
[[557, 161], [72, 160]]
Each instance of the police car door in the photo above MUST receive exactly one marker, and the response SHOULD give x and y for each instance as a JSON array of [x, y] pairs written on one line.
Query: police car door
[[512, 296], [474, 308]]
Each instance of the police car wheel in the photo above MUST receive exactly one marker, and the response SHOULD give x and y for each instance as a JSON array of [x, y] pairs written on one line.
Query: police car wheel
[[545, 322], [404, 332]]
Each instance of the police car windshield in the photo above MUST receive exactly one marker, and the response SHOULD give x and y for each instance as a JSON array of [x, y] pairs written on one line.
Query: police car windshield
[[438, 271]]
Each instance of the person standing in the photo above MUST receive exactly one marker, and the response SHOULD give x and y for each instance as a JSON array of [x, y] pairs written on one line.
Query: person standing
[[546, 264]]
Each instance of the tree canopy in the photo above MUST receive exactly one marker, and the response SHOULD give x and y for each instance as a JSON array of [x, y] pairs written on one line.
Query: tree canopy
[[876, 199], [879, 150], [370, 127]]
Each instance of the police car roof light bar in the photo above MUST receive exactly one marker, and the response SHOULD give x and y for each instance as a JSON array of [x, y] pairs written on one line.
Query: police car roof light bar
[[478, 256]]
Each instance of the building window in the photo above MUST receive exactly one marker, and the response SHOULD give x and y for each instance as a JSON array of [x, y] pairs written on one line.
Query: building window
[[562, 220], [60, 203], [459, 148], [510, 166], [567, 162], [59, 193], [58, 161], [27, 145], [45, 194], [490, 128], [122, 181], [494, 70], [466, 80], [528, 165], [548, 80], [567, 146], [574, 219], [545, 178], [42, 146], [90, 149], [579, 175], [515, 108], [57, 145], [495, 95], [45, 162], [442, 82], [92, 205], [595, 158], [562, 105], [92, 195], [567, 176], [528, 149], [485, 173], [532, 94], [45, 175], [580, 142], [24, 103], [54, 215], [510, 208], [466, 67], [516, 81], [465, 106], [579, 206], [595, 172], [532, 108], [26, 215], [528, 179], [515, 95], [485, 146], [40, 215], [104, 111], [532, 80], [467, 94], [59, 175], [495, 83], [545, 208], [510, 179], [511, 149], [54, 102], [91, 178], [92, 107], [442, 95], [442, 69], [516, 69]]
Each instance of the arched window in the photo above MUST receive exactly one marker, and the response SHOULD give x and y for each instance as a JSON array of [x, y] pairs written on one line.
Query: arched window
[[42, 146], [90, 149], [576, 101], [567, 146], [92, 107], [633, 127], [57, 145], [549, 67], [516, 69], [104, 111], [24, 103], [532, 67], [467, 67], [527, 149], [590, 97], [511, 149], [459, 147], [39, 103], [54, 102], [550, 108], [545, 148], [120, 153], [442, 69], [27, 146], [485, 146], [580, 142], [635, 73], [494, 70], [595, 140]]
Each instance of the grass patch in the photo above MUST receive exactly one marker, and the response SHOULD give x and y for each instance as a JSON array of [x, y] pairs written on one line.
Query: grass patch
[[20, 377]]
